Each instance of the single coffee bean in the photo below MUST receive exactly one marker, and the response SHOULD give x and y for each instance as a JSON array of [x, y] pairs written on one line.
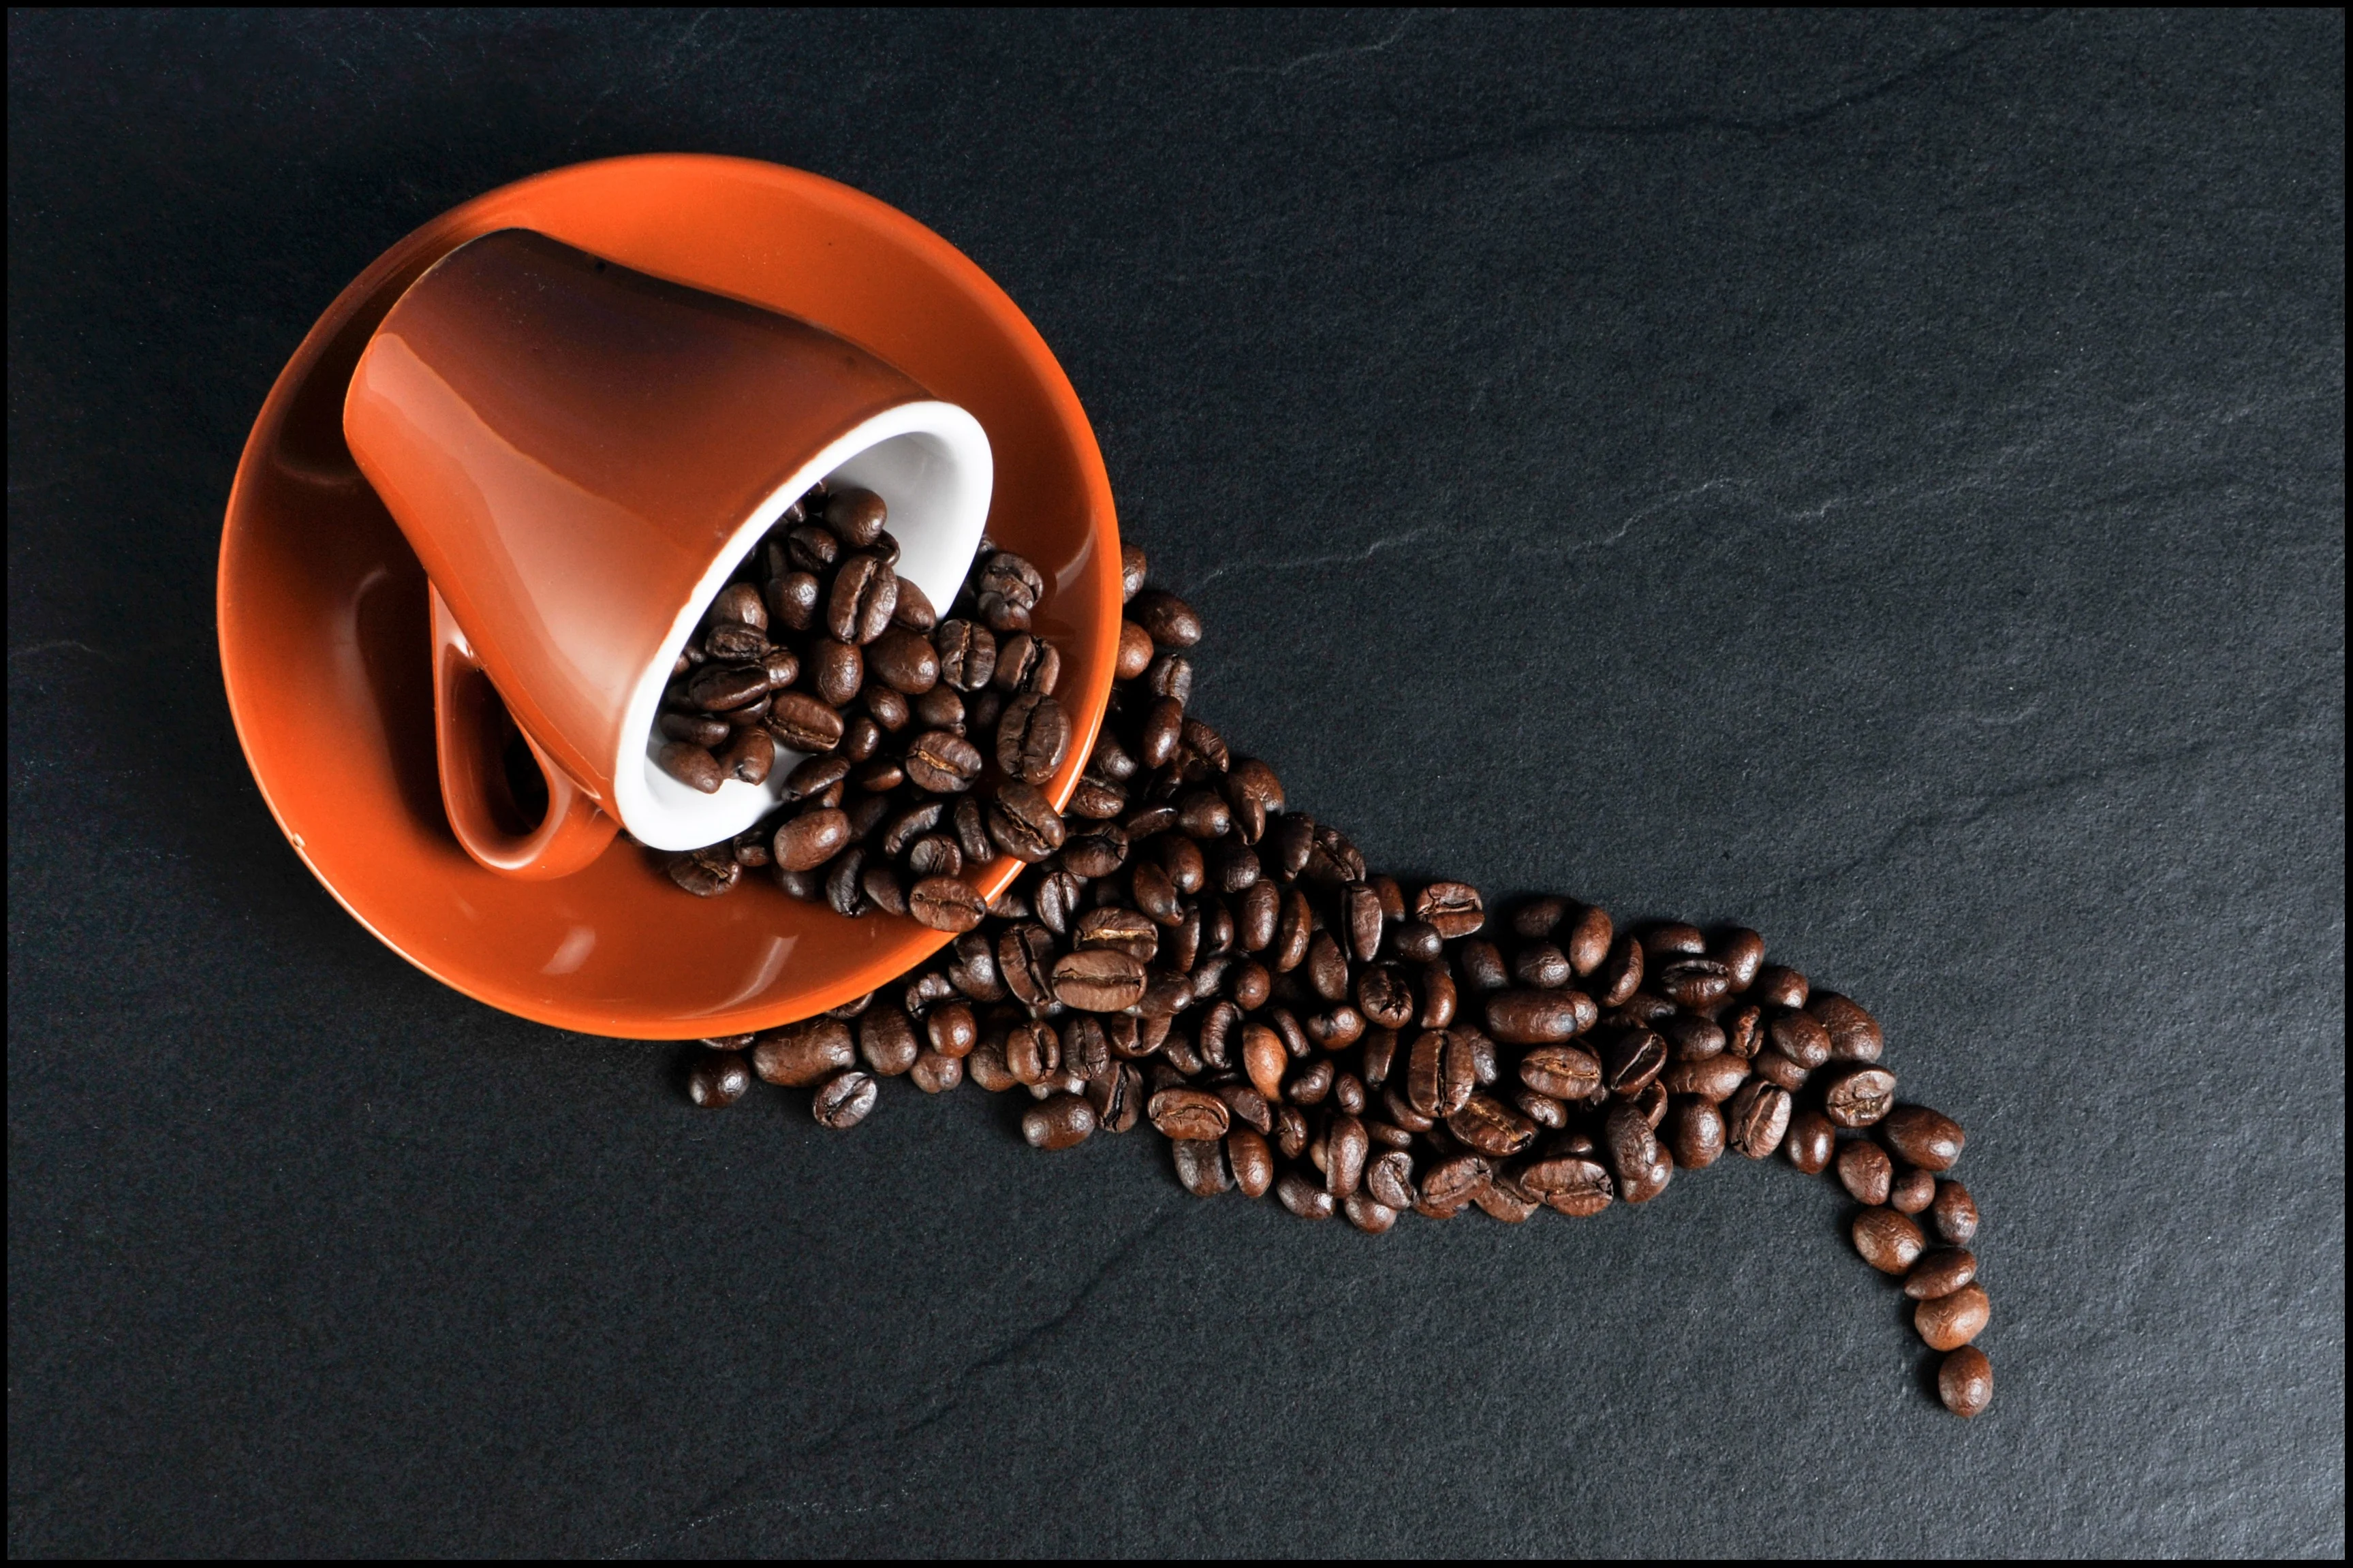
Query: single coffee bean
[[1693, 1131], [1439, 996], [1865, 1171], [1757, 1117], [1574, 1185], [843, 1100], [1927, 1139], [1542, 966], [1170, 621], [732, 642], [886, 1038], [855, 516], [803, 723], [1135, 651], [1098, 980], [1964, 1381], [1564, 1072], [1449, 1182], [1500, 1200], [1492, 1127], [1417, 941], [1776, 986], [1774, 1068], [1326, 967], [1368, 1214], [946, 903], [865, 593], [1386, 1000], [915, 612], [1888, 1241], [1023, 822], [1742, 954], [800, 1056], [838, 671], [1346, 1148], [1059, 1121], [1619, 975], [813, 776], [692, 765], [805, 842], [717, 1078], [1710, 1077], [715, 687], [1189, 1113], [1452, 908], [1855, 1094], [1632, 1060], [966, 653], [697, 729], [1536, 919], [750, 757], [1585, 934], [1801, 1037], [1671, 939], [1954, 1214], [1744, 1032], [792, 601], [1689, 1037], [1032, 735], [1303, 1198], [1940, 1272], [1389, 1179], [1033, 1052], [1912, 1191], [934, 855], [903, 661], [1631, 1145], [1642, 1009], [1535, 1018], [1131, 571], [1948, 1323], [1812, 1142], [1692, 982], [1855, 1034]]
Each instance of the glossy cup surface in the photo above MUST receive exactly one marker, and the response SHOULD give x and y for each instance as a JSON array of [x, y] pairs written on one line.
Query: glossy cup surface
[[324, 644]]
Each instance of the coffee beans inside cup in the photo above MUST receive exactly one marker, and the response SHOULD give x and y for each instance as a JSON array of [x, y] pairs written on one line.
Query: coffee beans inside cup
[[1186, 950]]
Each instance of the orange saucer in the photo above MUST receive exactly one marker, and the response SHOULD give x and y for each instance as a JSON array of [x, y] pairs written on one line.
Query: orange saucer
[[324, 645]]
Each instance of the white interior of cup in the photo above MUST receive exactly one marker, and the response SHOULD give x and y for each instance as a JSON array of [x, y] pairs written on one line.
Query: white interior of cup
[[930, 463]]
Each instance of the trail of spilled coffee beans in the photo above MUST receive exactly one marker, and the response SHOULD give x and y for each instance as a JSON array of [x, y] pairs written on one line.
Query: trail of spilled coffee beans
[[1183, 950]]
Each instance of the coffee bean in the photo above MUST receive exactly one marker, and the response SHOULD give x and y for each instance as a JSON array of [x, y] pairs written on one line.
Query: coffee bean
[[1189, 1113], [1632, 1147], [1865, 1171], [717, 1078], [1023, 822], [855, 516], [1964, 1381], [1940, 1272], [1742, 954], [1801, 1037], [1576, 1185], [802, 1055], [792, 601], [886, 1039], [904, 662], [1449, 1182], [1954, 1214], [1855, 1095], [1059, 1121], [1672, 938], [1163, 726], [732, 642], [1693, 1131], [692, 765], [946, 903], [1855, 1034], [807, 841], [1368, 1214], [750, 757], [1171, 676], [1542, 965], [1756, 1118], [1776, 1068], [1689, 1037], [1417, 941], [700, 729], [1888, 1241], [1098, 980], [843, 1100], [1536, 919], [1810, 1142], [1710, 1077], [1303, 1198], [1452, 908], [1439, 997], [1631, 1060], [1500, 1200], [1170, 621], [1619, 975], [803, 723], [1912, 1191], [1135, 651], [1564, 1072], [1492, 1127], [1948, 1323], [1031, 737], [1744, 1032], [1692, 982], [1012, 578], [1927, 1139], [1033, 1052], [1778, 986], [1536, 1017]]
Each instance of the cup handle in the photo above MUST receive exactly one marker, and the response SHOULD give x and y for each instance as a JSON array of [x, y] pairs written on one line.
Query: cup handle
[[469, 732]]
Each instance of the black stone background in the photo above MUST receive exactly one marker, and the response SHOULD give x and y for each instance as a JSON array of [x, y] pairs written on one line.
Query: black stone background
[[1876, 477]]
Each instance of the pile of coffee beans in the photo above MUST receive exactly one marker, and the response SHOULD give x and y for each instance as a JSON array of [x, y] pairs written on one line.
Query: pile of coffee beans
[[923, 740], [1183, 950]]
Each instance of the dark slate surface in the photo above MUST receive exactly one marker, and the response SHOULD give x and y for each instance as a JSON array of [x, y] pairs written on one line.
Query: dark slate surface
[[1877, 479]]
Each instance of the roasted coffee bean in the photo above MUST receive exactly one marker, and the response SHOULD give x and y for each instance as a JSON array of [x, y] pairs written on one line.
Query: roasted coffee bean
[[844, 885], [915, 612], [1672, 938], [1888, 1241], [1384, 997], [1631, 1146], [717, 1078], [699, 730], [1346, 1149], [1025, 963], [1855, 1034], [1576, 1185], [1416, 942], [935, 1074], [1801, 1037], [855, 516], [792, 601], [1954, 1214], [1744, 1032], [1163, 726], [843, 1100], [1632, 1060], [934, 855], [886, 1038], [865, 593], [691, 764], [1098, 980], [1290, 839], [966, 653], [1123, 929], [732, 642], [803, 723], [1742, 954], [805, 842], [1059, 1121], [1189, 1113], [1690, 1037], [837, 671], [1492, 1127], [1776, 986], [1326, 967], [1912, 1191], [1865, 1171], [1964, 1381], [814, 777], [1033, 1051], [1303, 1198], [812, 549], [1181, 859], [716, 688], [1335, 1028], [1536, 919], [1032, 734], [1502, 1199], [802, 1055], [1169, 620], [1542, 965], [1309, 1085], [903, 661], [939, 708], [1131, 571], [1023, 822], [1135, 651], [749, 757], [1535, 1018], [1756, 1118], [1692, 982], [1693, 1131], [1940, 1272], [1449, 1182], [1855, 1095], [1564, 1072], [1453, 909], [1096, 850], [942, 762], [1439, 997], [1010, 577], [1810, 1142], [1332, 860], [1775, 1068], [946, 903], [880, 776], [1619, 975], [1948, 1323], [1926, 1138]]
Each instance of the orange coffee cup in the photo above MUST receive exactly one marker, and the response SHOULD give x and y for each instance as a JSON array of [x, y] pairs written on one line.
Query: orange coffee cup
[[581, 455]]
